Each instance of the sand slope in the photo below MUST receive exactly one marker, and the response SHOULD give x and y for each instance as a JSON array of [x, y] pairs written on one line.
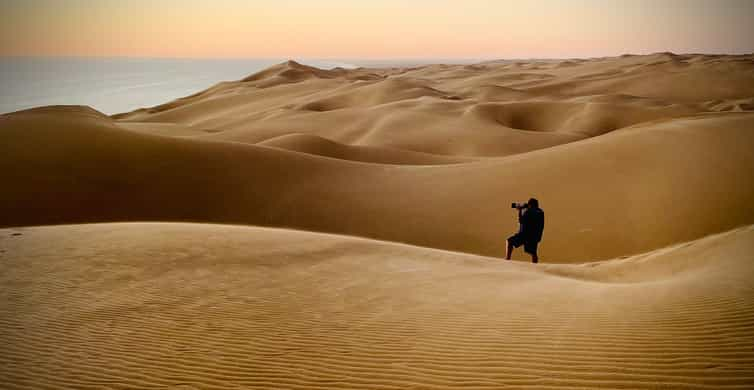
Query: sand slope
[[624, 192], [214, 307]]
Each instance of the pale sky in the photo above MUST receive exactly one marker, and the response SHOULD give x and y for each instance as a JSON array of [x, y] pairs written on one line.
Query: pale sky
[[372, 29]]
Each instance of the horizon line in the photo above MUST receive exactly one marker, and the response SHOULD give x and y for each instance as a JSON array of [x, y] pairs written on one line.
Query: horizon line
[[330, 58]]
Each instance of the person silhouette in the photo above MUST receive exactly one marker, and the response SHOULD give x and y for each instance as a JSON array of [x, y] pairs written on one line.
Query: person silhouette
[[531, 220]]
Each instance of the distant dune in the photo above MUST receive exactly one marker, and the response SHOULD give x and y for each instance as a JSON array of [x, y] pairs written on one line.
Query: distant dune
[[643, 165]]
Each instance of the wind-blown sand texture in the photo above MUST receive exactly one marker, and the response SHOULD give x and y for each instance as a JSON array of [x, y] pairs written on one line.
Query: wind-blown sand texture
[[643, 165]]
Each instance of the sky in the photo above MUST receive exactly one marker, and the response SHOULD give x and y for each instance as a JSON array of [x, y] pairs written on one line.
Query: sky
[[373, 29]]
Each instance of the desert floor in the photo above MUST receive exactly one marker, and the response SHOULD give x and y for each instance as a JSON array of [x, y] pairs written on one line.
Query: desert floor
[[343, 228]]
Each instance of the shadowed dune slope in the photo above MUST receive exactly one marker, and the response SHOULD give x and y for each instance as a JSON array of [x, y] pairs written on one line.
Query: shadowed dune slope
[[590, 118], [628, 191], [312, 144], [217, 307]]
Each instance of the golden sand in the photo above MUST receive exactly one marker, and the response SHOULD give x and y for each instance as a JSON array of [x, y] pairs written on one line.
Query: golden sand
[[643, 165]]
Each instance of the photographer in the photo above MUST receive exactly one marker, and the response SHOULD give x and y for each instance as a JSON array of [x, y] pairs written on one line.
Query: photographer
[[531, 224]]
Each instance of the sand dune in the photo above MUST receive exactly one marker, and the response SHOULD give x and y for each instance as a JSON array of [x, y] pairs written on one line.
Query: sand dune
[[215, 307], [312, 144], [642, 164], [387, 91], [493, 92], [590, 118], [81, 167], [423, 109]]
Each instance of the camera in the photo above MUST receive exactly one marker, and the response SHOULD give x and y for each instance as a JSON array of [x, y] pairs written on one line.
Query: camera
[[515, 205]]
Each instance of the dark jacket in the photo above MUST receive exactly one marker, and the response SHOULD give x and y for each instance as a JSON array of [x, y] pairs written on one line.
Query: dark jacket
[[532, 224]]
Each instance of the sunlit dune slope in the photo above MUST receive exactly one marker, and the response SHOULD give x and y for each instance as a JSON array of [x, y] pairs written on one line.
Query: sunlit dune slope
[[624, 192], [217, 307]]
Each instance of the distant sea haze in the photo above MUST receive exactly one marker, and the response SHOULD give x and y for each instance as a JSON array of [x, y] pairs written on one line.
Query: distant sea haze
[[114, 85]]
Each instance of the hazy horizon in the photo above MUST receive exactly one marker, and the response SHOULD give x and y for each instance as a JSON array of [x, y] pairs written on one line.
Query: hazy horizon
[[368, 59], [390, 29]]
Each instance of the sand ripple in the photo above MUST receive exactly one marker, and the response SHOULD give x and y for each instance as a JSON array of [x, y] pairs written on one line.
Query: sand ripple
[[214, 307]]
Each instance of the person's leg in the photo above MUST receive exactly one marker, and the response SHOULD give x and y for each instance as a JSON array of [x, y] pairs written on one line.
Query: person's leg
[[531, 248], [508, 249]]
